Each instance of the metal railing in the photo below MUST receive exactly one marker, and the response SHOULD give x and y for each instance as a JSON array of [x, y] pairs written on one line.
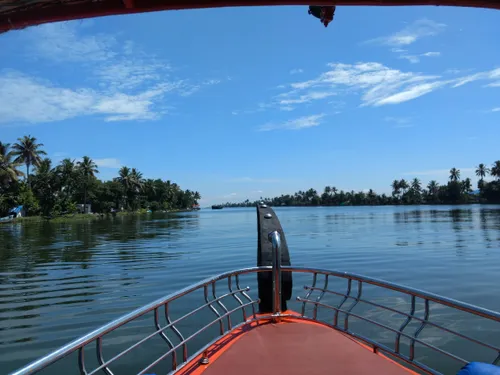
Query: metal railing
[[241, 298]]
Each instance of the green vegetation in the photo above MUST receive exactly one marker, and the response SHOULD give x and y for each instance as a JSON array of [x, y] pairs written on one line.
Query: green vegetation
[[456, 191], [52, 191]]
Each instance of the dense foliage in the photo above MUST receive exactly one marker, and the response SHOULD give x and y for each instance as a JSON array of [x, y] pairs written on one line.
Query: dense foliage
[[51, 190], [455, 191]]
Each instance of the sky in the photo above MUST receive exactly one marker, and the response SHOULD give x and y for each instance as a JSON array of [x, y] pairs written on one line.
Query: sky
[[239, 103]]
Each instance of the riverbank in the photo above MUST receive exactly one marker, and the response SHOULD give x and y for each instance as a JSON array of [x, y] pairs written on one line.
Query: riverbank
[[82, 217]]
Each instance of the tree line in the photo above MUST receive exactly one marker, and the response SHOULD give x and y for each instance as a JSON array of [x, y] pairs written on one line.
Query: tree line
[[455, 191], [50, 190]]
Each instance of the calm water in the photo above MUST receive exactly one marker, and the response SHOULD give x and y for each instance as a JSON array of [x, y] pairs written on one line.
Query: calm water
[[60, 281]]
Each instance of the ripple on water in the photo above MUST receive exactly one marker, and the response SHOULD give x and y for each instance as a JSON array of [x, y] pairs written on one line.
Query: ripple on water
[[59, 281]]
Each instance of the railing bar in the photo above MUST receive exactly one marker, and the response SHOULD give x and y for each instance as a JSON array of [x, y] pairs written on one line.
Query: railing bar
[[177, 332], [100, 358], [81, 361], [358, 296], [405, 324], [392, 330], [119, 355], [489, 314], [315, 311], [419, 329], [219, 302], [237, 276], [211, 306], [308, 294], [407, 315], [413, 317], [163, 356], [497, 358], [164, 336], [230, 287], [72, 346], [346, 296]]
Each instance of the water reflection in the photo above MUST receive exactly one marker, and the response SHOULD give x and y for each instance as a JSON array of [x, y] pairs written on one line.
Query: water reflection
[[58, 281]]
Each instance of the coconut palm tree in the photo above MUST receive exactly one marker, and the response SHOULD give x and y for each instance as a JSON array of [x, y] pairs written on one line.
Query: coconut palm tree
[[396, 189], [481, 172], [454, 174], [66, 171], [8, 168], [28, 152], [433, 187], [87, 169], [495, 169]]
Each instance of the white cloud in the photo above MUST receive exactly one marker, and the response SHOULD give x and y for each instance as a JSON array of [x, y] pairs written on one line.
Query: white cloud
[[63, 41], [410, 34], [411, 58], [496, 109], [251, 179], [377, 84], [28, 100], [108, 163], [431, 54], [399, 122], [306, 98], [296, 124], [296, 71], [416, 58], [128, 83]]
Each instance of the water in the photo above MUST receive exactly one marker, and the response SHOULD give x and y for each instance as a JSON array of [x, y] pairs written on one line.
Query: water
[[60, 281]]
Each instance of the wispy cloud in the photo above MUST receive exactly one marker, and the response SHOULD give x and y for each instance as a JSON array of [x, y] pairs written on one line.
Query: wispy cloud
[[296, 71], [296, 124], [496, 109], [251, 179], [108, 163], [127, 83], [399, 122], [377, 84], [65, 42], [410, 34], [26, 99], [416, 58]]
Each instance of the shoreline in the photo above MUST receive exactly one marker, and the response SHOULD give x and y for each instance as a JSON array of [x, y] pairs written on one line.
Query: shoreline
[[83, 217]]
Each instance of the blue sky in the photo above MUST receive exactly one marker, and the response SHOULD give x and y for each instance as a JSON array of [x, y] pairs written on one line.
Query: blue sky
[[242, 102]]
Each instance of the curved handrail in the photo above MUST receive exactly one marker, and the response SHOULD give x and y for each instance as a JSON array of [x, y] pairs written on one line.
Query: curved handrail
[[99, 332], [486, 313], [97, 335]]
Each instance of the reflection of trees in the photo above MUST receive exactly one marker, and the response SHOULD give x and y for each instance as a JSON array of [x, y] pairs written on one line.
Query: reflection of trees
[[414, 216], [489, 221], [32, 244]]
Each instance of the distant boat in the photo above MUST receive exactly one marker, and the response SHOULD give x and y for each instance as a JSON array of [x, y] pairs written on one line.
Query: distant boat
[[217, 207], [6, 219]]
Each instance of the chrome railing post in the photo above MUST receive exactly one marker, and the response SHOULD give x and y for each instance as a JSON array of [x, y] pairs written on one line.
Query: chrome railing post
[[275, 239]]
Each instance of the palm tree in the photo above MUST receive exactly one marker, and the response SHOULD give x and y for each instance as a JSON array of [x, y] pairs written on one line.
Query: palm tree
[[454, 174], [66, 172], [481, 172], [87, 170], [495, 169], [8, 168], [433, 187], [28, 152], [395, 188]]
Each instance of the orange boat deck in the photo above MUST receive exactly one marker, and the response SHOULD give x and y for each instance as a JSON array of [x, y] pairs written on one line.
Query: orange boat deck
[[292, 347]]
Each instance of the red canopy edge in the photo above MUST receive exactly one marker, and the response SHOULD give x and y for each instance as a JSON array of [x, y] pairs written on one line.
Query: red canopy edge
[[18, 14]]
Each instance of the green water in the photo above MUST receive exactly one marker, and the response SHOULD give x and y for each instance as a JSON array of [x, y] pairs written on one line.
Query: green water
[[60, 281]]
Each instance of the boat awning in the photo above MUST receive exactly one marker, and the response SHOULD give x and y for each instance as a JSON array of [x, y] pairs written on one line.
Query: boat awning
[[17, 14]]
